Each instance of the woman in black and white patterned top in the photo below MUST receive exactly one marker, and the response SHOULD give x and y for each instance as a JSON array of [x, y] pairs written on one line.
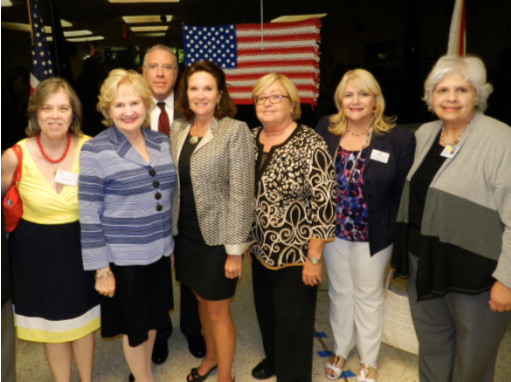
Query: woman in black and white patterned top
[[294, 217]]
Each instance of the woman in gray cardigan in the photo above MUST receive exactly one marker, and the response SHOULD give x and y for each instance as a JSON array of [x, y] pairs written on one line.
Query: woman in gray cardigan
[[454, 227], [212, 214]]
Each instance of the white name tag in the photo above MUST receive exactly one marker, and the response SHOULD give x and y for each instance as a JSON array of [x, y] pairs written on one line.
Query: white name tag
[[380, 156], [66, 177], [449, 151]]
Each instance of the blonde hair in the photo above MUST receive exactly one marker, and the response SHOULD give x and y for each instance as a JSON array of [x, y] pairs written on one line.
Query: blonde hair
[[108, 93], [366, 82], [470, 68], [292, 92], [42, 92]]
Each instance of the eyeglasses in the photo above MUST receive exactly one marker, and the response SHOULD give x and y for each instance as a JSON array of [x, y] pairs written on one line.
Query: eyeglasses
[[156, 67], [274, 98]]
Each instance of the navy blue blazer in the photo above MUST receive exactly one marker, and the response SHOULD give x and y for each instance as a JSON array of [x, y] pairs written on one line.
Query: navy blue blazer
[[383, 181]]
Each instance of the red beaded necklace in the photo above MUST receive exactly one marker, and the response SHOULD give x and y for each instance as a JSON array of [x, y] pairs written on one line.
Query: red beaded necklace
[[38, 140]]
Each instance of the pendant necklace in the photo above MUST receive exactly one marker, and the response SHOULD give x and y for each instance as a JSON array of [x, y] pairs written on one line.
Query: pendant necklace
[[194, 139], [349, 179]]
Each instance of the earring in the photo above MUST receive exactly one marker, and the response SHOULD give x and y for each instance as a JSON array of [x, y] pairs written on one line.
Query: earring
[[218, 105]]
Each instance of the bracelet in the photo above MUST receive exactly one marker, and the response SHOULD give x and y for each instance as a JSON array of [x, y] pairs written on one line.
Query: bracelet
[[103, 274]]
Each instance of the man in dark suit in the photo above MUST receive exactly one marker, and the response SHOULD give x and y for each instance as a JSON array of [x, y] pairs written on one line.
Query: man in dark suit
[[160, 70]]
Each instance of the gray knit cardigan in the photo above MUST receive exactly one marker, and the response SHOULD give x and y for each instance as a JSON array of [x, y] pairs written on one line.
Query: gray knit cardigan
[[468, 203]]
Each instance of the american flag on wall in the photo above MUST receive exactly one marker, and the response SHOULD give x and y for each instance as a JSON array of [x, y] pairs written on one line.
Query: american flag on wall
[[42, 67], [246, 52]]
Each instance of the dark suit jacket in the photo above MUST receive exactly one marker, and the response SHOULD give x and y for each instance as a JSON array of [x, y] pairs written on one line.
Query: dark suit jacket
[[383, 181]]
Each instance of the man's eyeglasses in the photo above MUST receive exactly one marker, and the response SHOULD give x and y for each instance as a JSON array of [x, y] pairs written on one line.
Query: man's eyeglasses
[[156, 67], [274, 98]]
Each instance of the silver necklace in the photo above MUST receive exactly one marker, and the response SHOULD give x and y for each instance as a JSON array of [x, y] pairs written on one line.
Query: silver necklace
[[194, 138], [456, 140], [350, 175]]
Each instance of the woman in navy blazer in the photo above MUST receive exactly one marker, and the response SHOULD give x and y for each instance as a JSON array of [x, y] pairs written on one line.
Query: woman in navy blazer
[[372, 158]]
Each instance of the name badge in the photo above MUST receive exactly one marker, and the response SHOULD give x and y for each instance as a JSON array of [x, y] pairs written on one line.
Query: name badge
[[380, 156], [66, 177], [449, 151]]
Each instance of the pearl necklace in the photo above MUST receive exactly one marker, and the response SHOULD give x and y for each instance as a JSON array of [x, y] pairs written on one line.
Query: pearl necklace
[[38, 140], [456, 140]]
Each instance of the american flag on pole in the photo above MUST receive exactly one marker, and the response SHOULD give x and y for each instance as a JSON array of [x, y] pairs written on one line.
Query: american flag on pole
[[247, 52], [42, 66], [457, 37]]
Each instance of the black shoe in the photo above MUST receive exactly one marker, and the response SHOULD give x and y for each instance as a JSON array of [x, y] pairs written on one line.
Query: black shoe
[[197, 346], [160, 351], [131, 378], [263, 370], [194, 375]]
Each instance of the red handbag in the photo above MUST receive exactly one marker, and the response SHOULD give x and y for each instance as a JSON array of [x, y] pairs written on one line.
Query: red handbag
[[11, 203]]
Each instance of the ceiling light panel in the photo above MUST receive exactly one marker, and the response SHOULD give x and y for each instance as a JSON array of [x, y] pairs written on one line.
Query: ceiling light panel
[[143, 1], [145, 19], [87, 38], [150, 29], [157, 34], [291, 18]]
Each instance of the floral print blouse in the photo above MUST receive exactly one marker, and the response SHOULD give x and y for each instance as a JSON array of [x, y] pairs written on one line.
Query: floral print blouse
[[295, 198], [352, 213]]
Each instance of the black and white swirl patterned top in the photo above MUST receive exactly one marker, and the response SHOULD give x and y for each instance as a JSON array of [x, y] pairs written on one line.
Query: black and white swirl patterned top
[[295, 198]]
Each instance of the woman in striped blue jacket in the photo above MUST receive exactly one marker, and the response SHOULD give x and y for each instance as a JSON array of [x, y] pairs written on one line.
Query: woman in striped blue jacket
[[127, 180]]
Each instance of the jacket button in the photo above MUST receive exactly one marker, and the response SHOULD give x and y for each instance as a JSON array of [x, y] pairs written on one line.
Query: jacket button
[[159, 207], [152, 172], [157, 196], [156, 183]]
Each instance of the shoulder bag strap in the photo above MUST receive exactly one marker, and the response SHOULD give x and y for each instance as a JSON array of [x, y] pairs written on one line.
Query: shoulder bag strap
[[17, 173]]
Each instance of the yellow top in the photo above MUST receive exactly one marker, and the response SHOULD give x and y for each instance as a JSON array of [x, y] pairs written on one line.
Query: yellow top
[[41, 203]]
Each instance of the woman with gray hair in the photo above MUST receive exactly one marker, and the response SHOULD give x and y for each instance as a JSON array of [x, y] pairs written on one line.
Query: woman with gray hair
[[454, 227]]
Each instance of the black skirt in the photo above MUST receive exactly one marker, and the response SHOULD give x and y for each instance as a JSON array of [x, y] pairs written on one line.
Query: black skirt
[[198, 265], [142, 300], [50, 288]]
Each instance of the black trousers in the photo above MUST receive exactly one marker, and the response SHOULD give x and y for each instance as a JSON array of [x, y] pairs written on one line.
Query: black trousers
[[285, 309], [189, 316]]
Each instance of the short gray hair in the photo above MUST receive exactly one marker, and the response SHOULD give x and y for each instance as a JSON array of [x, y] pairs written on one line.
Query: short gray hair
[[470, 67], [161, 47]]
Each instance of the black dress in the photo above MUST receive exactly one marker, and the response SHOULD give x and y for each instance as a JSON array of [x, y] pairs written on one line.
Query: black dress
[[198, 265]]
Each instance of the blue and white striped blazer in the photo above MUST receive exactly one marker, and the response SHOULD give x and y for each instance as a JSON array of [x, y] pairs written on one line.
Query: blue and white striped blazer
[[124, 202]]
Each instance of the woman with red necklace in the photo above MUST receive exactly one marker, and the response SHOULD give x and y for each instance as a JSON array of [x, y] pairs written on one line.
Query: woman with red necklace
[[54, 298]]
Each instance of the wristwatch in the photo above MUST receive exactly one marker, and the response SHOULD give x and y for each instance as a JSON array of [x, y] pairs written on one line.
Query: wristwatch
[[314, 260]]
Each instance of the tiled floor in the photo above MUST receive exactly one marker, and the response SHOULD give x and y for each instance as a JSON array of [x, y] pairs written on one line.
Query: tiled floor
[[109, 364]]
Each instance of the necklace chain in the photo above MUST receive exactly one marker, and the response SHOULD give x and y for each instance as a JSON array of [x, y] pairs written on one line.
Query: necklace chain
[[350, 175], [38, 140], [356, 135], [194, 139], [456, 140]]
